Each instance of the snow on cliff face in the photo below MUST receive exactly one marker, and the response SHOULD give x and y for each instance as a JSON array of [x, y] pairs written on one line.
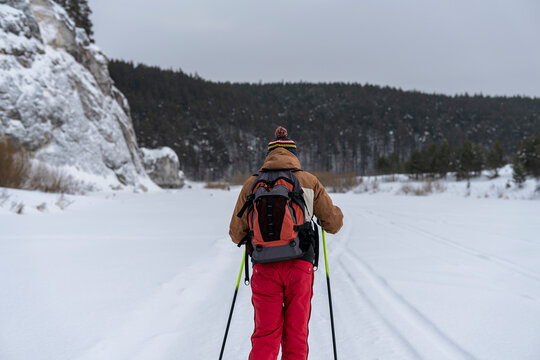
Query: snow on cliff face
[[57, 98]]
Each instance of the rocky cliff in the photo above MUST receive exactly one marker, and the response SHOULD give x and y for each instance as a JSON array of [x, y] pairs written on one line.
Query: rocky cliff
[[57, 99], [163, 167]]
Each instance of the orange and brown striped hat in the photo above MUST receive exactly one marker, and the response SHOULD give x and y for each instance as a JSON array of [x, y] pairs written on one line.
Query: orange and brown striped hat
[[283, 141]]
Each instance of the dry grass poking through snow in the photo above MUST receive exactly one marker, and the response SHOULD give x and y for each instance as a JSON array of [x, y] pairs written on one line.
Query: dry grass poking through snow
[[426, 188], [340, 183], [19, 172], [239, 179], [14, 165], [333, 182], [220, 185]]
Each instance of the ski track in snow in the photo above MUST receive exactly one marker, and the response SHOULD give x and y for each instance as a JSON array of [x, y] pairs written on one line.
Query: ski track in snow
[[375, 288], [509, 265], [399, 315], [405, 310], [396, 335], [370, 333]]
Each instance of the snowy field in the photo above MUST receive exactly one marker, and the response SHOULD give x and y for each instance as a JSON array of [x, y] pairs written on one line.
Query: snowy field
[[145, 276]]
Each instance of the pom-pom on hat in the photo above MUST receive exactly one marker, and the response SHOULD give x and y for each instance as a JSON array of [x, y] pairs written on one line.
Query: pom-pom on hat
[[283, 141], [281, 132]]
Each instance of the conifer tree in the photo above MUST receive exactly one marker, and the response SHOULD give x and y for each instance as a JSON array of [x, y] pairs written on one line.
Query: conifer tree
[[416, 163], [478, 159], [495, 159], [382, 165], [430, 158], [467, 161], [396, 167], [389, 165], [519, 174], [528, 153], [443, 159]]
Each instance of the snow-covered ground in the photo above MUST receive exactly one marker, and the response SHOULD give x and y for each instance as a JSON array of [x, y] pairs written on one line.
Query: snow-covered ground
[[484, 186], [151, 276]]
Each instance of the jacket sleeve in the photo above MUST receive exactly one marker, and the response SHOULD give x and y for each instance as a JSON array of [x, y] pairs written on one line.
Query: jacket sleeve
[[239, 227], [329, 215]]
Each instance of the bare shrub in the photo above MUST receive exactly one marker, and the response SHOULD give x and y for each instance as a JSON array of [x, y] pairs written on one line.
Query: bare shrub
[[425, 189], [4, 196], [406, 189], [51, 180], [418, 191], [42, 207], [17, 208], [361, 189], [14, 165], [334, 182], [63, 202], [217, 185], [17, 171], [421, 191], [389, 178], [369, 185], [238, 179], [338, 182], [375, 185], [439, 186]]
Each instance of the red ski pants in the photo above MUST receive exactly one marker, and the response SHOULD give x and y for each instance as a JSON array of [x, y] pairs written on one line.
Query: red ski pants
[[282, 302]]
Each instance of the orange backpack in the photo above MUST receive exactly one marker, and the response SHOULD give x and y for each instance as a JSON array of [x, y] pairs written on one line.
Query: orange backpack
[[276, 217]]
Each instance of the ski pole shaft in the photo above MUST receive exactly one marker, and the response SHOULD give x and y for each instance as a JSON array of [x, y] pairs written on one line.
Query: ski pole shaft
[[232, 306], [329, 294]]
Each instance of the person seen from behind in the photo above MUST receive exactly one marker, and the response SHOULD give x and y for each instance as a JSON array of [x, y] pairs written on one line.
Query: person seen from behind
[[273, 218]]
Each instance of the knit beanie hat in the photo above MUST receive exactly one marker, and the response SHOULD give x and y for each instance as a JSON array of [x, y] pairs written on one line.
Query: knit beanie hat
[[283, 141]]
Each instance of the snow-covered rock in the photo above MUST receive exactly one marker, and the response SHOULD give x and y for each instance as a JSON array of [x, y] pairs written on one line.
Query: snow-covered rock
[[57, 99], [163, 167]]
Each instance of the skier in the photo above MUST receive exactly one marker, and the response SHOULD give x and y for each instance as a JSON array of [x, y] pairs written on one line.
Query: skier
[[282, 290]]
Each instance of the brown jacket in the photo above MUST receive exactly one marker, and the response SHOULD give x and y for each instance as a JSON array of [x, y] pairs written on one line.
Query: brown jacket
[[318, 202]]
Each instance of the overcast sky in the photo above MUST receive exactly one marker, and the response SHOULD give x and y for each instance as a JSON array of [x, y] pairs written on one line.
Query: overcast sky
[[444, 46]]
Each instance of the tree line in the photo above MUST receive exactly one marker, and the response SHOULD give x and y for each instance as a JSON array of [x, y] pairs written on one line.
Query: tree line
[[219, 129], [437, 160], [465, 161]]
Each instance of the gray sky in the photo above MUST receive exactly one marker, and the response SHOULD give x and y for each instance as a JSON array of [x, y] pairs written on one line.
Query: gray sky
[[445, 46]]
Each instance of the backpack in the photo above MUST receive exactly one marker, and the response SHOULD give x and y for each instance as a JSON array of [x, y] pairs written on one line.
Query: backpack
[[276, 217]]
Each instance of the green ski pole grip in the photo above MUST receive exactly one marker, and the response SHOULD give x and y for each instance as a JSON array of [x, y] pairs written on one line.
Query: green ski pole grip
[[241, 267], [325, 254]]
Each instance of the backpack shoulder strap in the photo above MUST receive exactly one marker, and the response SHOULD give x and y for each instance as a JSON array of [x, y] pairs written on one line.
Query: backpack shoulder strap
[[249, 199]]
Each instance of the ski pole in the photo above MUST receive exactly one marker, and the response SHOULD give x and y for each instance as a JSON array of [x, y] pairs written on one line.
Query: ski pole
[[329, 294], [232, 306]]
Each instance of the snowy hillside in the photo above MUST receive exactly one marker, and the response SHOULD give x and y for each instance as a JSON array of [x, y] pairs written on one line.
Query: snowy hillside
[[143, 276], [58, 100]]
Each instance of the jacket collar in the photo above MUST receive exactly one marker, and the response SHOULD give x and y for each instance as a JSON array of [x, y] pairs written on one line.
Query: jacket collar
[[281, 159]]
